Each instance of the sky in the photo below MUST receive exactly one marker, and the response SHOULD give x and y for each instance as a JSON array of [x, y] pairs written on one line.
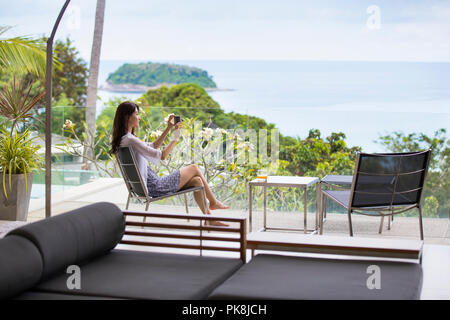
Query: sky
[[375, 30]]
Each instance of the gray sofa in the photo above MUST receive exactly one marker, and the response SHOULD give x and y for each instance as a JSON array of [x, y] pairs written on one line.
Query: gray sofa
[[286, 277], [34, 259]]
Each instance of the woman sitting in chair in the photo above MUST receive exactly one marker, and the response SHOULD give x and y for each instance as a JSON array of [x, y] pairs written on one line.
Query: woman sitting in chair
[[125, 121]]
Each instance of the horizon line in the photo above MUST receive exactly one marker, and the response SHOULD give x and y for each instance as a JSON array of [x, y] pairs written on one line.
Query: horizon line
[[276, 60]]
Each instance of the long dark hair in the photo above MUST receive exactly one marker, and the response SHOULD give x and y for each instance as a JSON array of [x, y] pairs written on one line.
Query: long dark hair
[[120, 126]]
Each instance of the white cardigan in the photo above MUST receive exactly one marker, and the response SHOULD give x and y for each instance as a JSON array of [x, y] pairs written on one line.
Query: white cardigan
[[143, 151]]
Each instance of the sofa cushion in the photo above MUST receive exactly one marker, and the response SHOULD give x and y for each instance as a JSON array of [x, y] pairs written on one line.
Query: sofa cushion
[[147, 275], [20, 266], [287, 277], [75, 236]]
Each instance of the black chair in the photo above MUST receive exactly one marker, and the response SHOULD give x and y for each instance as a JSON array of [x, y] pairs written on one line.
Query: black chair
[[332, 181], [342, 182], [137, 189], [383, 185]]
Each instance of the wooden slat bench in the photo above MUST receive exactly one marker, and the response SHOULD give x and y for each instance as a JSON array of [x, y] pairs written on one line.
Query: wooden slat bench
[[354, 246]]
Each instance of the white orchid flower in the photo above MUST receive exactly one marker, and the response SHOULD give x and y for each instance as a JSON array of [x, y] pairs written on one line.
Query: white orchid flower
[[156, 133], [208, 132]]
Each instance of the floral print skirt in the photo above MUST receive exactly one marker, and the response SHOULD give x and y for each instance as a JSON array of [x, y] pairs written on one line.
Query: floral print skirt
[[160, 186]]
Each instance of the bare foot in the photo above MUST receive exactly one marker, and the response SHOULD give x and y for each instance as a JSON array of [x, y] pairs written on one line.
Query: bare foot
[[216, 223], [218, 205]]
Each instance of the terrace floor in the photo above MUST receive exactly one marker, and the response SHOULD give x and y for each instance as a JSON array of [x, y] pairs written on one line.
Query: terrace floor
[[436, 261], [436, 231]]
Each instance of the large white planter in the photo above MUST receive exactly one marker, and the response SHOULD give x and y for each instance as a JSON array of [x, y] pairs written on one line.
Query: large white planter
[[18, 202]]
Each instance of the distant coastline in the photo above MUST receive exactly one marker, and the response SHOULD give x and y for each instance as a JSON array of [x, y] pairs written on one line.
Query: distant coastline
[[138, 88], [357, 98]]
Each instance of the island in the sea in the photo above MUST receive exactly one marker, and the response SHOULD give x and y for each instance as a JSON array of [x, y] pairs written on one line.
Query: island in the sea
[[141, 77]]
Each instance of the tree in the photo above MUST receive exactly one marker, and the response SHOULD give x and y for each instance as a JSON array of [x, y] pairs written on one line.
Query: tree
[[192, 101], [437, 185], [69, 83], [91, 99], [400, 142], [430, 206], [69, 86], [189, 100], [152, 74], [314, 156], [69, 79]]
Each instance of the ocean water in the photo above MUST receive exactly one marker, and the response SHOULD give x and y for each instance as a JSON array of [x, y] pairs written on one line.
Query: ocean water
[[362, 99]]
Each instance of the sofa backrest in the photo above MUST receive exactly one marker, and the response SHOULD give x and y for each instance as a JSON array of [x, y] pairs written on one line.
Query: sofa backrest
[[20, 266], [75, 236]]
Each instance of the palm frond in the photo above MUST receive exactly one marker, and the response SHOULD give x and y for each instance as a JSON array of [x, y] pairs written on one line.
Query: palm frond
[[23, 54], [4, 29]]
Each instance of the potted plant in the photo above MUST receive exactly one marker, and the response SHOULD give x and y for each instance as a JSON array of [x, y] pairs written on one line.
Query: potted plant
[[18, 155]]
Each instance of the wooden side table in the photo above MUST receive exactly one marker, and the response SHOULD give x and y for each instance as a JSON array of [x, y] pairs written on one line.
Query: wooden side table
[[290, 182]]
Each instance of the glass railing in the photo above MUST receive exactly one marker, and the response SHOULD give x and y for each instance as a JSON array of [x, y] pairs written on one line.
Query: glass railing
[[63, 180], [68, 169], [229, 148]]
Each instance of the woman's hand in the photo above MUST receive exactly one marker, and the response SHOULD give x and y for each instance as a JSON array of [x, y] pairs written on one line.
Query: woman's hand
[[178, 125], [170, 121]]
